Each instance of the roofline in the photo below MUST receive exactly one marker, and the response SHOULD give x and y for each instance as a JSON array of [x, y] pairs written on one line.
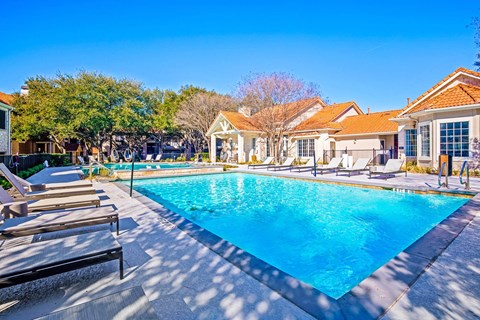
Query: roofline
[[365, 134], [213, 123], [9, 107], [427, 111], [440, 84]]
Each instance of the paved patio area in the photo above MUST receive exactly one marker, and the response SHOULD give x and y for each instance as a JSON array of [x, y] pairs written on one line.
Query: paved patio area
[[183, 279]]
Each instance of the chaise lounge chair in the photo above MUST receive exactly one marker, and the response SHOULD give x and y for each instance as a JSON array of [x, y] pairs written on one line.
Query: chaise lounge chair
[[287, 164], [42, 194], [265, 164], [53, 186], [24, 263], [304, 167], [53, 203], [359, 166], [158, 158], [50, 221], [149, 158], [392, 167], [332, 166]]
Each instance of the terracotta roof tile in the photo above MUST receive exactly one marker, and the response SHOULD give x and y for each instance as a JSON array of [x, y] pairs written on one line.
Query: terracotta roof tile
[[459, 95], [239, 120], [325, 117], [375, 122], [464, 70], [6, 98]]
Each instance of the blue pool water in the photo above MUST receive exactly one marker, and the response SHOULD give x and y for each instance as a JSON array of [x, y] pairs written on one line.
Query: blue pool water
[[147, 165], [329, 236]]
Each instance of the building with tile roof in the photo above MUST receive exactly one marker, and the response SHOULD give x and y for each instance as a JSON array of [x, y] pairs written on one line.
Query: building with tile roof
[[443, 120], [6, 101]]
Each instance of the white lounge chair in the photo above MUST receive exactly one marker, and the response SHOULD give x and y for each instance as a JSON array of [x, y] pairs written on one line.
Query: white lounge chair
[[81, 160], [158, 157], [33, 195], [265, 164], [332, 166], [287, 164], [359, 166], [304, 167], [149, 157], [392, 167], [53, 186]]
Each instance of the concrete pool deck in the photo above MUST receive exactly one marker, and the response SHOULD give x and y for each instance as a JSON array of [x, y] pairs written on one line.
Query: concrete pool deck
[[185, 280]]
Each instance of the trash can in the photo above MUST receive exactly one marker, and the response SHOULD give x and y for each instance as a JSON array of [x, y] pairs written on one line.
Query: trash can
[[448, 167]]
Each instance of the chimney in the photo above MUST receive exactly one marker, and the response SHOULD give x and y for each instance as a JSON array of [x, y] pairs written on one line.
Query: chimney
[[23, 90], [408, 101], [368, 110]]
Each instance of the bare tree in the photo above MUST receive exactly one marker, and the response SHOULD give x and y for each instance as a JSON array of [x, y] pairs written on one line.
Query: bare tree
[[273, 100], [476, 25], [195, 115]]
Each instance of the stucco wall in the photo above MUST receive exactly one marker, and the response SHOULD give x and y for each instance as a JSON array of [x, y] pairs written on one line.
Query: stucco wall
[[434, 120]]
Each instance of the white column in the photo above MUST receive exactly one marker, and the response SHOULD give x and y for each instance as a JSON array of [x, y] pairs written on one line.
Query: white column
[[213, 148], [241, 148]]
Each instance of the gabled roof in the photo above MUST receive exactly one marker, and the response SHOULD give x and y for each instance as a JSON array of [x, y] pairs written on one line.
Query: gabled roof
[[6, 98], [376, 122], [325, 118], [285, 112], [239, 120], [444, 82], [459, 95]]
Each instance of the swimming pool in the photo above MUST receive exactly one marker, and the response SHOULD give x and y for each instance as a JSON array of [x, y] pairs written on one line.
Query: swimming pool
[[329, 236]]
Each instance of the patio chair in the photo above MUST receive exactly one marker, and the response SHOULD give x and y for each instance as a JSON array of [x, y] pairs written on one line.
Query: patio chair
[[132, 301], [50, 221], [287, 164], [332, 166], [42, 194], [304, 167], [52, 203], [24, 263], [149, 157], [392, 167], [158, 157], [53, 186], [81, 160], [265, 164], [359, 166]]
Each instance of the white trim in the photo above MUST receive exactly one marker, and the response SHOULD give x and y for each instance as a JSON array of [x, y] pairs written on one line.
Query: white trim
[[365, 134], [419, 141], [468, 119]]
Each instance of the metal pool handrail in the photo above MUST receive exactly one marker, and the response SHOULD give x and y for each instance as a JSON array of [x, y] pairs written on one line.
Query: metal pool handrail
[[466, 183], [444, 184], [98, 164]]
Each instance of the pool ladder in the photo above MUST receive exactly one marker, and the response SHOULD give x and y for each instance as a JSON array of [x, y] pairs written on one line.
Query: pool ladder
[[440, 173], [100, 166], [465, 168]]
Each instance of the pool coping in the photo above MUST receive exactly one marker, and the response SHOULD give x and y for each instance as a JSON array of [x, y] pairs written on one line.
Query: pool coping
[[370, 299]]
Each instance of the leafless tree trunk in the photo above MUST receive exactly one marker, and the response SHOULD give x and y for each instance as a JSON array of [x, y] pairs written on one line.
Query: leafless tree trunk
[[196, 114], [273, 99]]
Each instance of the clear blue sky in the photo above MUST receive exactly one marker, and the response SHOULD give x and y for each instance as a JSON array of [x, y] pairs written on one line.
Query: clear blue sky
[[377, 54]]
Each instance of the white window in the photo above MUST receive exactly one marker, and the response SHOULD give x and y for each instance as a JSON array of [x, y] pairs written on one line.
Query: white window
[[454, 138], [425, 141], [411, 142], [305, 147]]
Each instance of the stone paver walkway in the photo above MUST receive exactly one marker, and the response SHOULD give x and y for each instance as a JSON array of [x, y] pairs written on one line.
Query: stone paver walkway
[[185, 280]]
